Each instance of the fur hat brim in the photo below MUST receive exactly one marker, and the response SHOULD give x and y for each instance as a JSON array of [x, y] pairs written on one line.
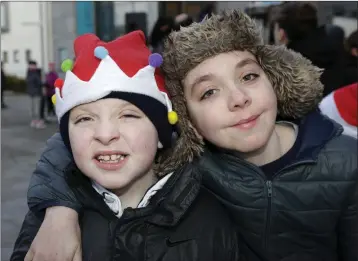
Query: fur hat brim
[[295, 80]]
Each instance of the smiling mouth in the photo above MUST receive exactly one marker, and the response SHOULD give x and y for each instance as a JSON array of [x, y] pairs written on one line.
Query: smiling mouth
[[247, 123]]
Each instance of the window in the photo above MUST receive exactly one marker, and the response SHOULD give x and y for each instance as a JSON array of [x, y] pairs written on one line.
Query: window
[[16, 56], [5, 58], [28, 55], [4, 17], [62, 55]]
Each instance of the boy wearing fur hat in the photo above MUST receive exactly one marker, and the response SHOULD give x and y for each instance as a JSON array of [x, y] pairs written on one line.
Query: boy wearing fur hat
[[114, 114], [291, 185]]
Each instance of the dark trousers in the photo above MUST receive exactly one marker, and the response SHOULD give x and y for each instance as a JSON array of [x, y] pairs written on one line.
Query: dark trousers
[[46, 102], [2, 95]]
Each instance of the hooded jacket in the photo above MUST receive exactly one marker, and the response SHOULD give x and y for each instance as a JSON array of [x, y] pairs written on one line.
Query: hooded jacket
[[182, 221], [310, 206]]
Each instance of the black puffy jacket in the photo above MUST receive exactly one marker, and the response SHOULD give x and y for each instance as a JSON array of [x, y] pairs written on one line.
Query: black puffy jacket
[[308, 208], [182, 222]]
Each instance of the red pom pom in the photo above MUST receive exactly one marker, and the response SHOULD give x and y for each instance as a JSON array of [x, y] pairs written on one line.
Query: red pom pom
[[59, 83]]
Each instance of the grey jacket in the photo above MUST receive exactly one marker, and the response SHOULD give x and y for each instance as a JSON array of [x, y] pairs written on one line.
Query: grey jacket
[[33, 83]]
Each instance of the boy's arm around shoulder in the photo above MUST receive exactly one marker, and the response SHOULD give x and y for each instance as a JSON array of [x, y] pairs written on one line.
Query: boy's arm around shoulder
[[48, 186], [348, 223], [28, 231]]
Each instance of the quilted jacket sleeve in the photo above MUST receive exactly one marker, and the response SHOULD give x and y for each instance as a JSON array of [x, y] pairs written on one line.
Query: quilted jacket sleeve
[[48, 187], [29, 229], [348, 226]]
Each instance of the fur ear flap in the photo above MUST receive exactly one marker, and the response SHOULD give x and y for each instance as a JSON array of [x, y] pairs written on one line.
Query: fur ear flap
[[295, 80], [189, 143]]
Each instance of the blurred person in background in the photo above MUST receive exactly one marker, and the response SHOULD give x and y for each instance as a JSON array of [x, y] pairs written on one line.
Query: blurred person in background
[[49, 90], [161, 30], [34, 90], [297, 28], [341, 106], [208, 10], [132, 27], [352, 48], [3, 86], [182, 20]]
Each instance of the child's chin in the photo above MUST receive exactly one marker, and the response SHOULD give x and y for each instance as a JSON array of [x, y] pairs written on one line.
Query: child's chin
[[249, 144], [113, 184]]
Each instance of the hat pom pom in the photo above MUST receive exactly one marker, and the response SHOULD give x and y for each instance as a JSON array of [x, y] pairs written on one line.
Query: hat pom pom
[[172, 117], [58, 83], [100, 52], [155, 60], [53, 99], [67, 65]]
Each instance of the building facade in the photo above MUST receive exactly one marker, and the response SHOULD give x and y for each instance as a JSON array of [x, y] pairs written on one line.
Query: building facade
[[25, 35], [44, 31]]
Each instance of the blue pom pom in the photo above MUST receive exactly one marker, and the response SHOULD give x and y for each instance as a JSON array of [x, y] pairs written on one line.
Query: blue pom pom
[[155, 60], [100, 52]]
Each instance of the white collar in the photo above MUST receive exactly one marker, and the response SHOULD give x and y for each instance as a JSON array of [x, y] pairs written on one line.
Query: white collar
[[114, 203]]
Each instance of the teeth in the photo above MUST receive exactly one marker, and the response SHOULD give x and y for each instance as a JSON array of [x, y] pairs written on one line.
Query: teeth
[[115, 158]]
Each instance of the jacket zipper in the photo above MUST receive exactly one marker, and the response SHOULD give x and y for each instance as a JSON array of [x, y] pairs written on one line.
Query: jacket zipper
[[268, 185], [269, 198], [268, 213]]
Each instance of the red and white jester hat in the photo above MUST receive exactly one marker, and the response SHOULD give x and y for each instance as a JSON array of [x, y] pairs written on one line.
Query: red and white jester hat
[[124, 69]]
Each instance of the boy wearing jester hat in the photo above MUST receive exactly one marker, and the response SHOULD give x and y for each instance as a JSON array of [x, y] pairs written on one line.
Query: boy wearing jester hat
[[115, 116], [248, 123]]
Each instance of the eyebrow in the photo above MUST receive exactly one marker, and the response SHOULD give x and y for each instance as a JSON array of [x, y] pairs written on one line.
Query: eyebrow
[[209, 76], [245, 62]]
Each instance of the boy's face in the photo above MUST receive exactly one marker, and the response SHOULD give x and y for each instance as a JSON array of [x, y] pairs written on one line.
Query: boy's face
[[113, 142], [231, 101]]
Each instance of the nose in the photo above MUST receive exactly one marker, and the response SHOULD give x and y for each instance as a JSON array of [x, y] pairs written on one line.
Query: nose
[[106, 132], [237, 99]]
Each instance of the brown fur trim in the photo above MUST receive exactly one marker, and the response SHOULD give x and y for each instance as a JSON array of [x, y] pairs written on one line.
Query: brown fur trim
[[185, 49], [294, 79]]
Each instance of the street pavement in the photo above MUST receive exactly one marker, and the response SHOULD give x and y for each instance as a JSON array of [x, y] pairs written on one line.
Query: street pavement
[[21, 147]]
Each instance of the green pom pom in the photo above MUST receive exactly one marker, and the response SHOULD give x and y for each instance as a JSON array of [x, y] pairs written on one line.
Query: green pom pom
[[67, 65]]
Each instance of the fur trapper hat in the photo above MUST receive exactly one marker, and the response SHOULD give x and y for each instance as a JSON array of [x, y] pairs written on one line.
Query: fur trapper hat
[[295, 80]]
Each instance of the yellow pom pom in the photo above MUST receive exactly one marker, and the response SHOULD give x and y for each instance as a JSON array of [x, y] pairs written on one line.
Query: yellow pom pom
[[172, 117], [53, 99]]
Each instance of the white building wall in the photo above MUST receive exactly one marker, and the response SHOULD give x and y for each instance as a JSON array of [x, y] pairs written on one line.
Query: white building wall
[[228, 5], [24, 33]]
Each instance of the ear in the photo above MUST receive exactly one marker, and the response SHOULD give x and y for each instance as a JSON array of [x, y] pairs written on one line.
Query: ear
[[354, 51]]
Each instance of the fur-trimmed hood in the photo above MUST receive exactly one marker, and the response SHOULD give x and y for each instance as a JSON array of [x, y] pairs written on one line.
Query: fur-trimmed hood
[[295, 80]]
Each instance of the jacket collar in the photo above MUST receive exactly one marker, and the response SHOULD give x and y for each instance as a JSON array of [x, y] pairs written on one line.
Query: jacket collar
[[316, 130], [174, 199], [166, 207], [114, 202]]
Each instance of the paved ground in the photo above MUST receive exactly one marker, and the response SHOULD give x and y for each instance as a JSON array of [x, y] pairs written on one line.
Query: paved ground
[[21, 147]]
